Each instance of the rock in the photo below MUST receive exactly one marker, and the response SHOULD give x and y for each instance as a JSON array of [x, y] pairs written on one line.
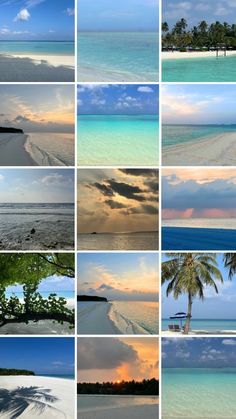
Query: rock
[[32, 231]]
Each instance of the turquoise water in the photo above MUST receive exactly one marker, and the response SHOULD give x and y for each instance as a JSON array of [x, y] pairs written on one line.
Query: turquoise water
[[211, 325], [118, 56], [118, 140], [210, 69], [37, 47], [65, 376], [176, 134], [193, 393]]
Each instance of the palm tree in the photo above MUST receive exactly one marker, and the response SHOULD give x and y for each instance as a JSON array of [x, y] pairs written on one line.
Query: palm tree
[[230, 263], [165, 27], [189, 273]]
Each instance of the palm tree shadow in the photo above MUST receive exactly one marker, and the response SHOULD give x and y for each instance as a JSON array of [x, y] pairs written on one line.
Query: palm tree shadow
[[16, 401]]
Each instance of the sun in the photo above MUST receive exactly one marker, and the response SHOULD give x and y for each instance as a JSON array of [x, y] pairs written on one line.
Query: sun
[[118, 381]]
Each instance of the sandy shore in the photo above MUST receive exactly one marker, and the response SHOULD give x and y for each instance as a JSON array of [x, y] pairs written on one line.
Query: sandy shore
[[199, 332], [176, 55], [93, 319], [215, 151], [28, 397], [34, 68], [12, 151], [126, 407]]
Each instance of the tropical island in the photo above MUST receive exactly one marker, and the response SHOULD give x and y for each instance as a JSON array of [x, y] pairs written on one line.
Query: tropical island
[[148, 387], [190, 278], [203, 37], [6, 130], [21, 298], [13, 371], [91, 298]]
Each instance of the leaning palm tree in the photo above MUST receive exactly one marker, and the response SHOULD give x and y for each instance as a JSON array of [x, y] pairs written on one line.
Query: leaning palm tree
[[230, 263], [189, 273]]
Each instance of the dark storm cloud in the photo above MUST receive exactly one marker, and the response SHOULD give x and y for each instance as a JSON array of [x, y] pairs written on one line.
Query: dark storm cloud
[[114, 204], [140, 172]]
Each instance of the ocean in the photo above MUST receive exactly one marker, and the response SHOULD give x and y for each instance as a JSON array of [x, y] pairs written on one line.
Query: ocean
[[139, 316], [97, 402], [131, 140], [64, 376], [210, 69], [191, 393], [215, 223], [118, 56], [37, 47], [178, 134], [211, 325], [118, 241], [51, 149], [52, 225]]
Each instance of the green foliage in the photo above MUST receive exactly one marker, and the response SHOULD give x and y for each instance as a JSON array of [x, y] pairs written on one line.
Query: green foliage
[[145, 388], [6, 371]]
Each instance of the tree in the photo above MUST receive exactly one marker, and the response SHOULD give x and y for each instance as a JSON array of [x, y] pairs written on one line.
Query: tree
[[165, 27], [189, 273], [230, 263]]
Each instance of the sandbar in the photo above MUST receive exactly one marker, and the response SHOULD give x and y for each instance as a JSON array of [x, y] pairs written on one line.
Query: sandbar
[[219, 150], [28, 397]]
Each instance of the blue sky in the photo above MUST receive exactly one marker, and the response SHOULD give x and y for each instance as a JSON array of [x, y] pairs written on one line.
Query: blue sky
[[132, 276], [121, 15], [199, 104], [50, 284], [214, 306], [195, 11], [41, 355], [198, 352], [36, 186], [37, 20], [118, 99]]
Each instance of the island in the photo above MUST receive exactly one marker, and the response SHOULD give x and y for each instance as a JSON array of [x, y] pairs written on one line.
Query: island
[[90, 298], [5, 130], [13, 371]]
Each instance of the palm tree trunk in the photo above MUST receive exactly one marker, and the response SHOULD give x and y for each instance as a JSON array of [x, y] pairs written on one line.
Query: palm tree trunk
[[189, 314]]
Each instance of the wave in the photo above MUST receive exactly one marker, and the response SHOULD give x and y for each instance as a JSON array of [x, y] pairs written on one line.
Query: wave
[[125, 325], [56, 152]]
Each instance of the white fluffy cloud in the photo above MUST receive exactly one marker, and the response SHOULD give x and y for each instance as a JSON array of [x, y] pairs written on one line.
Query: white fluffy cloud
[[70, 12], [23, 15], [231, 342], [145, 89]]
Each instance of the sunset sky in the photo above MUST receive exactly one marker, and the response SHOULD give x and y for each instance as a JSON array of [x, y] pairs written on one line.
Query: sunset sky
[[194, 193], [198, 104], [44, 108], [119, 276], [117, 200], [112, 359]]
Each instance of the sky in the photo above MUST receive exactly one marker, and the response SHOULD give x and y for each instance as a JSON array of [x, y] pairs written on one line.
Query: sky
[[199, 104], [36, 186], [112, 359], [37, 20], [119, 276], [117, 200], [117, 99], [44, 108], [122, 15], [196, 11], [214, 306], [198, 352], [40, 355], [198, 193]]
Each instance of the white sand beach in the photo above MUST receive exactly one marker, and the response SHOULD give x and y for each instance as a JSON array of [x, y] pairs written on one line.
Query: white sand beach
[[12, 150], [32, 397], [175, 55], [93, 318], [125, 407], [215, 151], [36, 68]]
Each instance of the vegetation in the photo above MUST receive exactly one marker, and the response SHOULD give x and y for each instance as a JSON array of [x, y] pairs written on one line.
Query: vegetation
[[189, 273], [90, 298], [230, 263], [4, 130], [216, 35], [29, 270], [6, 371], [145, 387]]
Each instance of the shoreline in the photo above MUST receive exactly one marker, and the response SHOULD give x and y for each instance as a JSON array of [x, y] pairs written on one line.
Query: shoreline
[[95, 319], [177, 55], [169, 333], [13, 151], [219, 150]]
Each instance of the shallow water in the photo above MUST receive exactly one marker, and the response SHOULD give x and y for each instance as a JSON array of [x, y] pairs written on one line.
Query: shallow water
[[128, 56], [53, 225], [118, 140], [205, 324], [51, 149], [143, 315], [192, 393], [118, 241], [93, 402], [37, 47], [210, 69], [178, 134]]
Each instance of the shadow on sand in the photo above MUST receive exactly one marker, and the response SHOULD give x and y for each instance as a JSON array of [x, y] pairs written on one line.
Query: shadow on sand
[[14, 69], [15, 402]]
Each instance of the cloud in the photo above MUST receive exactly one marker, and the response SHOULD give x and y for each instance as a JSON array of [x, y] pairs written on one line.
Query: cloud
[[54, 179], [230, 342], [23, 15], [106, 287], [140, 172], [1, 177], [145, 89], [69, 11], [5, 31], [100, 353], [114, 204]]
